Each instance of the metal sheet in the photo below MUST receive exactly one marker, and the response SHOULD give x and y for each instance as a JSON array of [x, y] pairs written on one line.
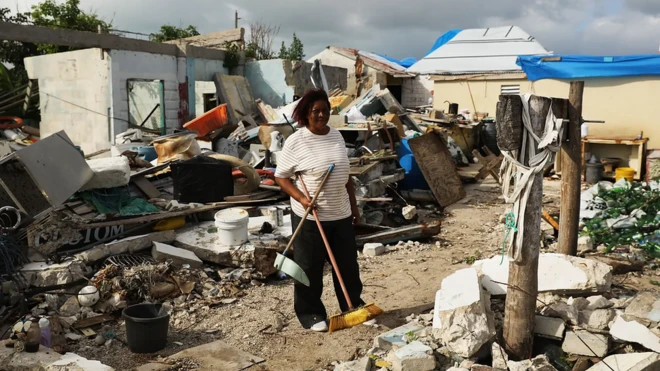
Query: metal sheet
[[56, 167]]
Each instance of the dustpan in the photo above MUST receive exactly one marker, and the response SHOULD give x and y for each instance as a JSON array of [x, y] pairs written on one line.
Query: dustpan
[[293, 270]]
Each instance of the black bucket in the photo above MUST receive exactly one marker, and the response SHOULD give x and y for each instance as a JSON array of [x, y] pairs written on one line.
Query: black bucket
[[146, 327]]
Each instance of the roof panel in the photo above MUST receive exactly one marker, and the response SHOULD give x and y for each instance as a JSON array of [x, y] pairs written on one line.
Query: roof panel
[[480, 50]]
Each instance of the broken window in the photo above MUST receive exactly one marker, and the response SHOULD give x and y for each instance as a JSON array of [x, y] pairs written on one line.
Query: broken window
[[146, 104]]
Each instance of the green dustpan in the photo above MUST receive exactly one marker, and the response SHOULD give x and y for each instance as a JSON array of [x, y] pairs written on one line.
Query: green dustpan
[[288, 266]]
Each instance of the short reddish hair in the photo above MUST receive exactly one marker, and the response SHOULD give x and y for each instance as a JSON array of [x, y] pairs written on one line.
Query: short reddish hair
[[306, 103]]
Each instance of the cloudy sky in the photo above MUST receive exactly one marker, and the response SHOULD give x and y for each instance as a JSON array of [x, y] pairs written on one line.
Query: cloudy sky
[[402, 28]]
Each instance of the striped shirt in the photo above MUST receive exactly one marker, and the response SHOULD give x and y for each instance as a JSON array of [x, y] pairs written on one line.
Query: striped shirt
[[311, 155]]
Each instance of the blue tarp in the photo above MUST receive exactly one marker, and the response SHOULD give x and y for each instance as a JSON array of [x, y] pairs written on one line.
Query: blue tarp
[[442, 40], [406, 62], [585, 66]]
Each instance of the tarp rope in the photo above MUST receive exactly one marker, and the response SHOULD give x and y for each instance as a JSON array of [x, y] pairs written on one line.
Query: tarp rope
[[541, 150]]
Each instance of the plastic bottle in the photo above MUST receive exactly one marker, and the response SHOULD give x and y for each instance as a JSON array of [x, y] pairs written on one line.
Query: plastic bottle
[[44, 325], [33, 338], [584, 130]]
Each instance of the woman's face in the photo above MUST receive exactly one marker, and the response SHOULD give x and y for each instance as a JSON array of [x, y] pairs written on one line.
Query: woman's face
[[319, 115]]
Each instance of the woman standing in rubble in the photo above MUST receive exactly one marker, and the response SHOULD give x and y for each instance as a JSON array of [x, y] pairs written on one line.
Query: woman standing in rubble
[[309, 152]]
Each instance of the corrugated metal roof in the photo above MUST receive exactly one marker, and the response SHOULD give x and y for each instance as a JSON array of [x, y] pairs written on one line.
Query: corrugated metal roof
[[480, 50], [371, 60]]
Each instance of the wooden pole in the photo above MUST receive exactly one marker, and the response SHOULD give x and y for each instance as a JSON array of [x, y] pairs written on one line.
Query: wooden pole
[[523, 277], [571, 174]]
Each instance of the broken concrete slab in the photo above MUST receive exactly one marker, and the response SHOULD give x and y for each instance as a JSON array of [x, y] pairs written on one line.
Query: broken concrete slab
[[202, 239], [558, 273], [362, 364], [564, 311], [627, 329], [500, 358], [585, 244], [395, 339], [462, 318], [215, 356], [109, 172], [46, 359], [645, 305], [548, 327], [42, 274], [540, 363], [598, 302], [413, 357], [179, 257], [374, 249], [598, 319], [126, 245], [70, 308], [629, 362], [585, 343]]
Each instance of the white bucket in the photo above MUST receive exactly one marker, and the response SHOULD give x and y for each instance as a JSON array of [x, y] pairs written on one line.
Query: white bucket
[[232, 226]]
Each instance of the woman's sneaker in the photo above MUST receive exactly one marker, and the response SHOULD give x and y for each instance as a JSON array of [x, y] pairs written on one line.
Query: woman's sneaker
[[320, 327], [370, 323]]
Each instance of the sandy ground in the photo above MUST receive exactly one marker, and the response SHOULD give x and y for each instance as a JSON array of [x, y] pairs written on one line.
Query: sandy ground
[[401, 282]]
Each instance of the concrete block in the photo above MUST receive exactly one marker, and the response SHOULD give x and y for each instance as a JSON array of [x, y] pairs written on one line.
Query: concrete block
[[574, 343], [564, 311], [394, 339], [108, 173], [413, 357], [462, 314], [42, 274], [162, 252], [627, 329], [500, 358], [629, 362], [558, 273], [598, 302], [540, 363], [585, 244], [46, 359], [597, 319], [549, 327], [645, 305], [374, 249], [126, 245]]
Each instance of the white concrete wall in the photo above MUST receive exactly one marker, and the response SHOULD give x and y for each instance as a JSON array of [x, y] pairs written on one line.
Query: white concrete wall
[[74, 94], [417, 91], [201, 88], [127, 65], [206, 68]]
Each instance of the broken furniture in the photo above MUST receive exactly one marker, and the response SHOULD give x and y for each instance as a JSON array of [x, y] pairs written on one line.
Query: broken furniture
[[34, 180], [491, 164], [631, 150]]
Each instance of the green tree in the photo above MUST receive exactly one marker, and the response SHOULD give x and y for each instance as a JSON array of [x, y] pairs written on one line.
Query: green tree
[[45, 14], [168, 32], [295, 52], [284, 54]]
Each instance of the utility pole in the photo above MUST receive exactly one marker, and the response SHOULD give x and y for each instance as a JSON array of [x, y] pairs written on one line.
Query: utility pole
[[522, 286], [571, 174], [236, 19]]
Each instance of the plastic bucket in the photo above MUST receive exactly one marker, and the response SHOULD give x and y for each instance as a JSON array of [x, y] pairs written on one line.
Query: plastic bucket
[[146, 327], [624, 172], [594, 173], [232, 226]]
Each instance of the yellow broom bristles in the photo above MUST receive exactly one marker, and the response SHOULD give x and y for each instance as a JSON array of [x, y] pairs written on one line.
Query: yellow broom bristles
[[354, 317]]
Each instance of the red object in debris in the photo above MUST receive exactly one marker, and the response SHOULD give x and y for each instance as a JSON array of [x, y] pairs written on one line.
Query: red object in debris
[[6, 122], [209, 121], [266, 173], [268, 182]]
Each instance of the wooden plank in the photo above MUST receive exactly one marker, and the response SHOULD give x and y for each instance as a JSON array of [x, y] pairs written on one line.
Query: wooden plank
[[235, 92], [438, 168], [146, 187], [548, 218], [88, 322], [80, 39], [393, 235], [260, 195]]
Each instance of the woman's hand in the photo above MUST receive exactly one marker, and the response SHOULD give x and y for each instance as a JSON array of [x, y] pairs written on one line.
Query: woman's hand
[[305, 202], [355, 213]]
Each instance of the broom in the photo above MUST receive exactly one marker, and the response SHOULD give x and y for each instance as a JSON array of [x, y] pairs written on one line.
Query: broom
[[354, 316]]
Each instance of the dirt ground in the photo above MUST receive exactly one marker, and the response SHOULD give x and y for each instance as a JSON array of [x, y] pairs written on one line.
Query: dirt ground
[[401, 282]]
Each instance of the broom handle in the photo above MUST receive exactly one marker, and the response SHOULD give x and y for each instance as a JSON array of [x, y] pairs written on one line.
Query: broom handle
[[298, 229], [327, 247]]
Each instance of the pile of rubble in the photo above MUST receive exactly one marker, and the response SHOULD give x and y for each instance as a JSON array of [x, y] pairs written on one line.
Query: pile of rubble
[[582, 323]]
